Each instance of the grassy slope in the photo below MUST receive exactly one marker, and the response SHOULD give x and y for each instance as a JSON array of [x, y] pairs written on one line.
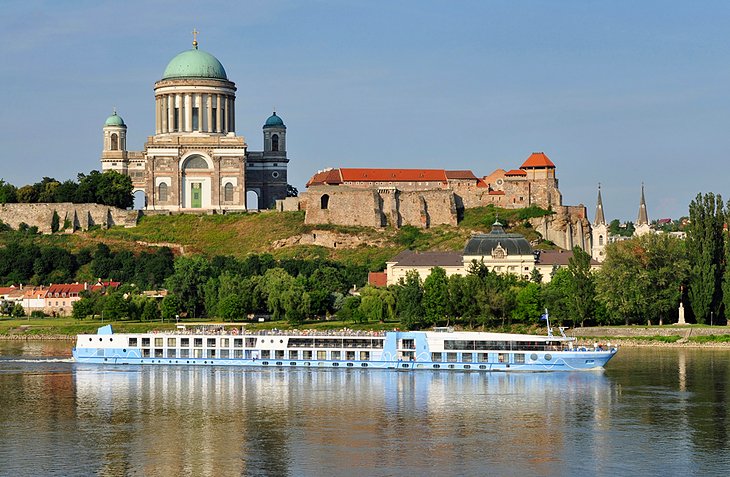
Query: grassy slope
[[242, 234]]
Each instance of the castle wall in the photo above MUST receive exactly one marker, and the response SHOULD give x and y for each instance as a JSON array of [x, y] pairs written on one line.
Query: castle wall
[[76, 216], [341, 205]]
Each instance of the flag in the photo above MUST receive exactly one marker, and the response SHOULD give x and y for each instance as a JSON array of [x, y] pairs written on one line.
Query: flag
[[544, 316]]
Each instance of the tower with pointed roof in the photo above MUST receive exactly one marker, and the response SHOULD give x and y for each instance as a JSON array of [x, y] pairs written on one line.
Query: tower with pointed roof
[[599, 231], [195, 161], [642, 221]]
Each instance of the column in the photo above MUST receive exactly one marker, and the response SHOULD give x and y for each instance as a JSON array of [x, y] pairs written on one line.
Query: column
[[170, 112], [163, 113], [188, 113], [227, 115], [219, 116], [209, 112], [233, 114]]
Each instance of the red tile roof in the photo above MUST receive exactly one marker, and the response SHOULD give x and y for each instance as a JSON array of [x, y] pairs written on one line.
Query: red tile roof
[[330, 176], [461, 175], [378, 279], [515, 172], [392, 175], [481, 183], [66, 288], [496, 192], [537, 160]]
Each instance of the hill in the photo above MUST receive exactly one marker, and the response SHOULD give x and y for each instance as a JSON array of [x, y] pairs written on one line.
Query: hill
[[284, 235]]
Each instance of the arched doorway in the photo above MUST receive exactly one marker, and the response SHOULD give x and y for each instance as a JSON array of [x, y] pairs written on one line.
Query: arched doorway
[[140, 200], [196, 180], [252, 200]]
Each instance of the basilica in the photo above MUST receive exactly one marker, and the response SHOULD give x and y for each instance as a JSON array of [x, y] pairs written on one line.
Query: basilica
[[195, 161]]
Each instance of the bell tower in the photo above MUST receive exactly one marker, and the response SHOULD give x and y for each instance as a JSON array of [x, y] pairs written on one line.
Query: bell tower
[[599, 231], [114, 153]]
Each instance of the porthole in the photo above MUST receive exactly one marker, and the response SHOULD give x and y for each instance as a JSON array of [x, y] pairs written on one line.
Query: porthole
[[403, 365], [279, 363], [90, 339], [364, 365], [293, 363], [482, 366], [349, 365], [124, 350], [275, 174], [533, 357], [451, 366], [106, 359], [265, 363], [281, 341], [101, 339], [307, 364], [110, 339], [436, 366], [466, 366], [334, 365], [548, 357]]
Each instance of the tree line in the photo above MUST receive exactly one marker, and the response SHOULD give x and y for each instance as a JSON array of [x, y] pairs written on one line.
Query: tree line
[[107, 188]]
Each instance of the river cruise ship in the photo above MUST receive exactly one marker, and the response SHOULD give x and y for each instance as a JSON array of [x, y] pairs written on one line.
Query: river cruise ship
[[441, 349]]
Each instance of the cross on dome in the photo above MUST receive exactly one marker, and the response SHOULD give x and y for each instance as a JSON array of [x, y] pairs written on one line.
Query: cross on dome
[[195, 38]]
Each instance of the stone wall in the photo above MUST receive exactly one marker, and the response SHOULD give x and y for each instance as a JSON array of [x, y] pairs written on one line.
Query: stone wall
[[345, 205], [74, 216]]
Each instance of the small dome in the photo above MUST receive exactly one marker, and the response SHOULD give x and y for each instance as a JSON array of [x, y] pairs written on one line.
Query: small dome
[[114, 120], [194, 64], [484, 244], [274, 121]]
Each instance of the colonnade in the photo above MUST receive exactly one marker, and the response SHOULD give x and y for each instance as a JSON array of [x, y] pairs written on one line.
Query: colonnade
[[188, 112]]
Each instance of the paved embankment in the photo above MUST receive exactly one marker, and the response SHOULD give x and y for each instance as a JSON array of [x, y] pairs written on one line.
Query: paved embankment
[[652, 336]]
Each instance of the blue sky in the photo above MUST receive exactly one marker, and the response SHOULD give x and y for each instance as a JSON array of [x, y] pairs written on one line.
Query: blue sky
[[615, 92]]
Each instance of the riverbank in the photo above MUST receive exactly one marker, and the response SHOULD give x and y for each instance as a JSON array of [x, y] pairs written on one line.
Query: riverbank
[[672, 336]]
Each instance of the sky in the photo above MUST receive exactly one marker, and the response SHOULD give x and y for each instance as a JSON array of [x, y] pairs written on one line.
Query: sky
[[618, 93]]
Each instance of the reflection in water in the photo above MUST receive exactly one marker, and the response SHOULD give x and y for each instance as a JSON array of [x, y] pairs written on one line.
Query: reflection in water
[[652, 412]]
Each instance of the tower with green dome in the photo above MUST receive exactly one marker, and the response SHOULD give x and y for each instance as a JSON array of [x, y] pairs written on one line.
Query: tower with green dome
[[195, 160]]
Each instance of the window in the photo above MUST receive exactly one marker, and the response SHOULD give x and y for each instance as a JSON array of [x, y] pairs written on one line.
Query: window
[[214, 118], [238, 342], [132, 342], [275, 142], [184, 353], [364, 355], [115, 142], [293, 354], [600, 240], [172, 353], [162, 192], [321, 354], [436, 357], [158, 342], [225, 342], [335, 355], [228, 192], [145, 342], [176, 120], [519, 358], [198, 342], [196, 120], [466, 357], [324, 202], [184, 342], [211, 342], [265, 354], [224, 354]]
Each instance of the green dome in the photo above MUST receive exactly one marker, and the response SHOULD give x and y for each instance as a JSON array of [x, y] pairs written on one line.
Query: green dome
[[274, 121], [195, 64], [114, 120]]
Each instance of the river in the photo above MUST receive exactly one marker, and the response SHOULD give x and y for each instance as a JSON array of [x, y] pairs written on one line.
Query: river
[[653, 411]]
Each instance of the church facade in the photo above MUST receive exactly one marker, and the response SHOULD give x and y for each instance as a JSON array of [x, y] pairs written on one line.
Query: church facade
[[195, 161]]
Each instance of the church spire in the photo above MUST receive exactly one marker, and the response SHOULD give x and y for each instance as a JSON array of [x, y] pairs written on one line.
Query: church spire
[[600, 219], [643, 218]]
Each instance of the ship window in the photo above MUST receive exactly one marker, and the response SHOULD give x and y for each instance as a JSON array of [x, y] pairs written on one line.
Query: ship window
[[171, 342], [533, 357], [158, 342], [158, 352], [172, 353], [146, 342], [197, 342], [519, 358], [293, 354], [211, 342], [483, 357], [238, 353], [132, 342], [184, 353], [321, 354], [408, 344], [184, 342], [334, 355], [279, 354], [225, 342], [451, 357], [224, 354], [307, 354], [548, 357], [364, 355], [238, 342], [250, 342], [211, 353], [145, 353], [467, 357], [349, 355], [265, 354], [197, 353], [502, 357], [436, 357]]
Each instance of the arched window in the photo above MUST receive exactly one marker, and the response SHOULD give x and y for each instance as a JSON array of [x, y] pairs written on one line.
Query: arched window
[[274, 142], [195, 162], [162, 192], [115, 142], [324, 202], [228, 192], [600, 240]]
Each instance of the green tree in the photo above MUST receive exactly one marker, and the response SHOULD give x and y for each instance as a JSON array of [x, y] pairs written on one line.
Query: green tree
[[529, 303], [170, 307], [641, 277], [187, 282], [436, 296], [705, 250], [116, 307], [55, 222], [275, 284], [150, 311], [556, 294], [409, 294], [17, 311], [8, 193], [581, 286]]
